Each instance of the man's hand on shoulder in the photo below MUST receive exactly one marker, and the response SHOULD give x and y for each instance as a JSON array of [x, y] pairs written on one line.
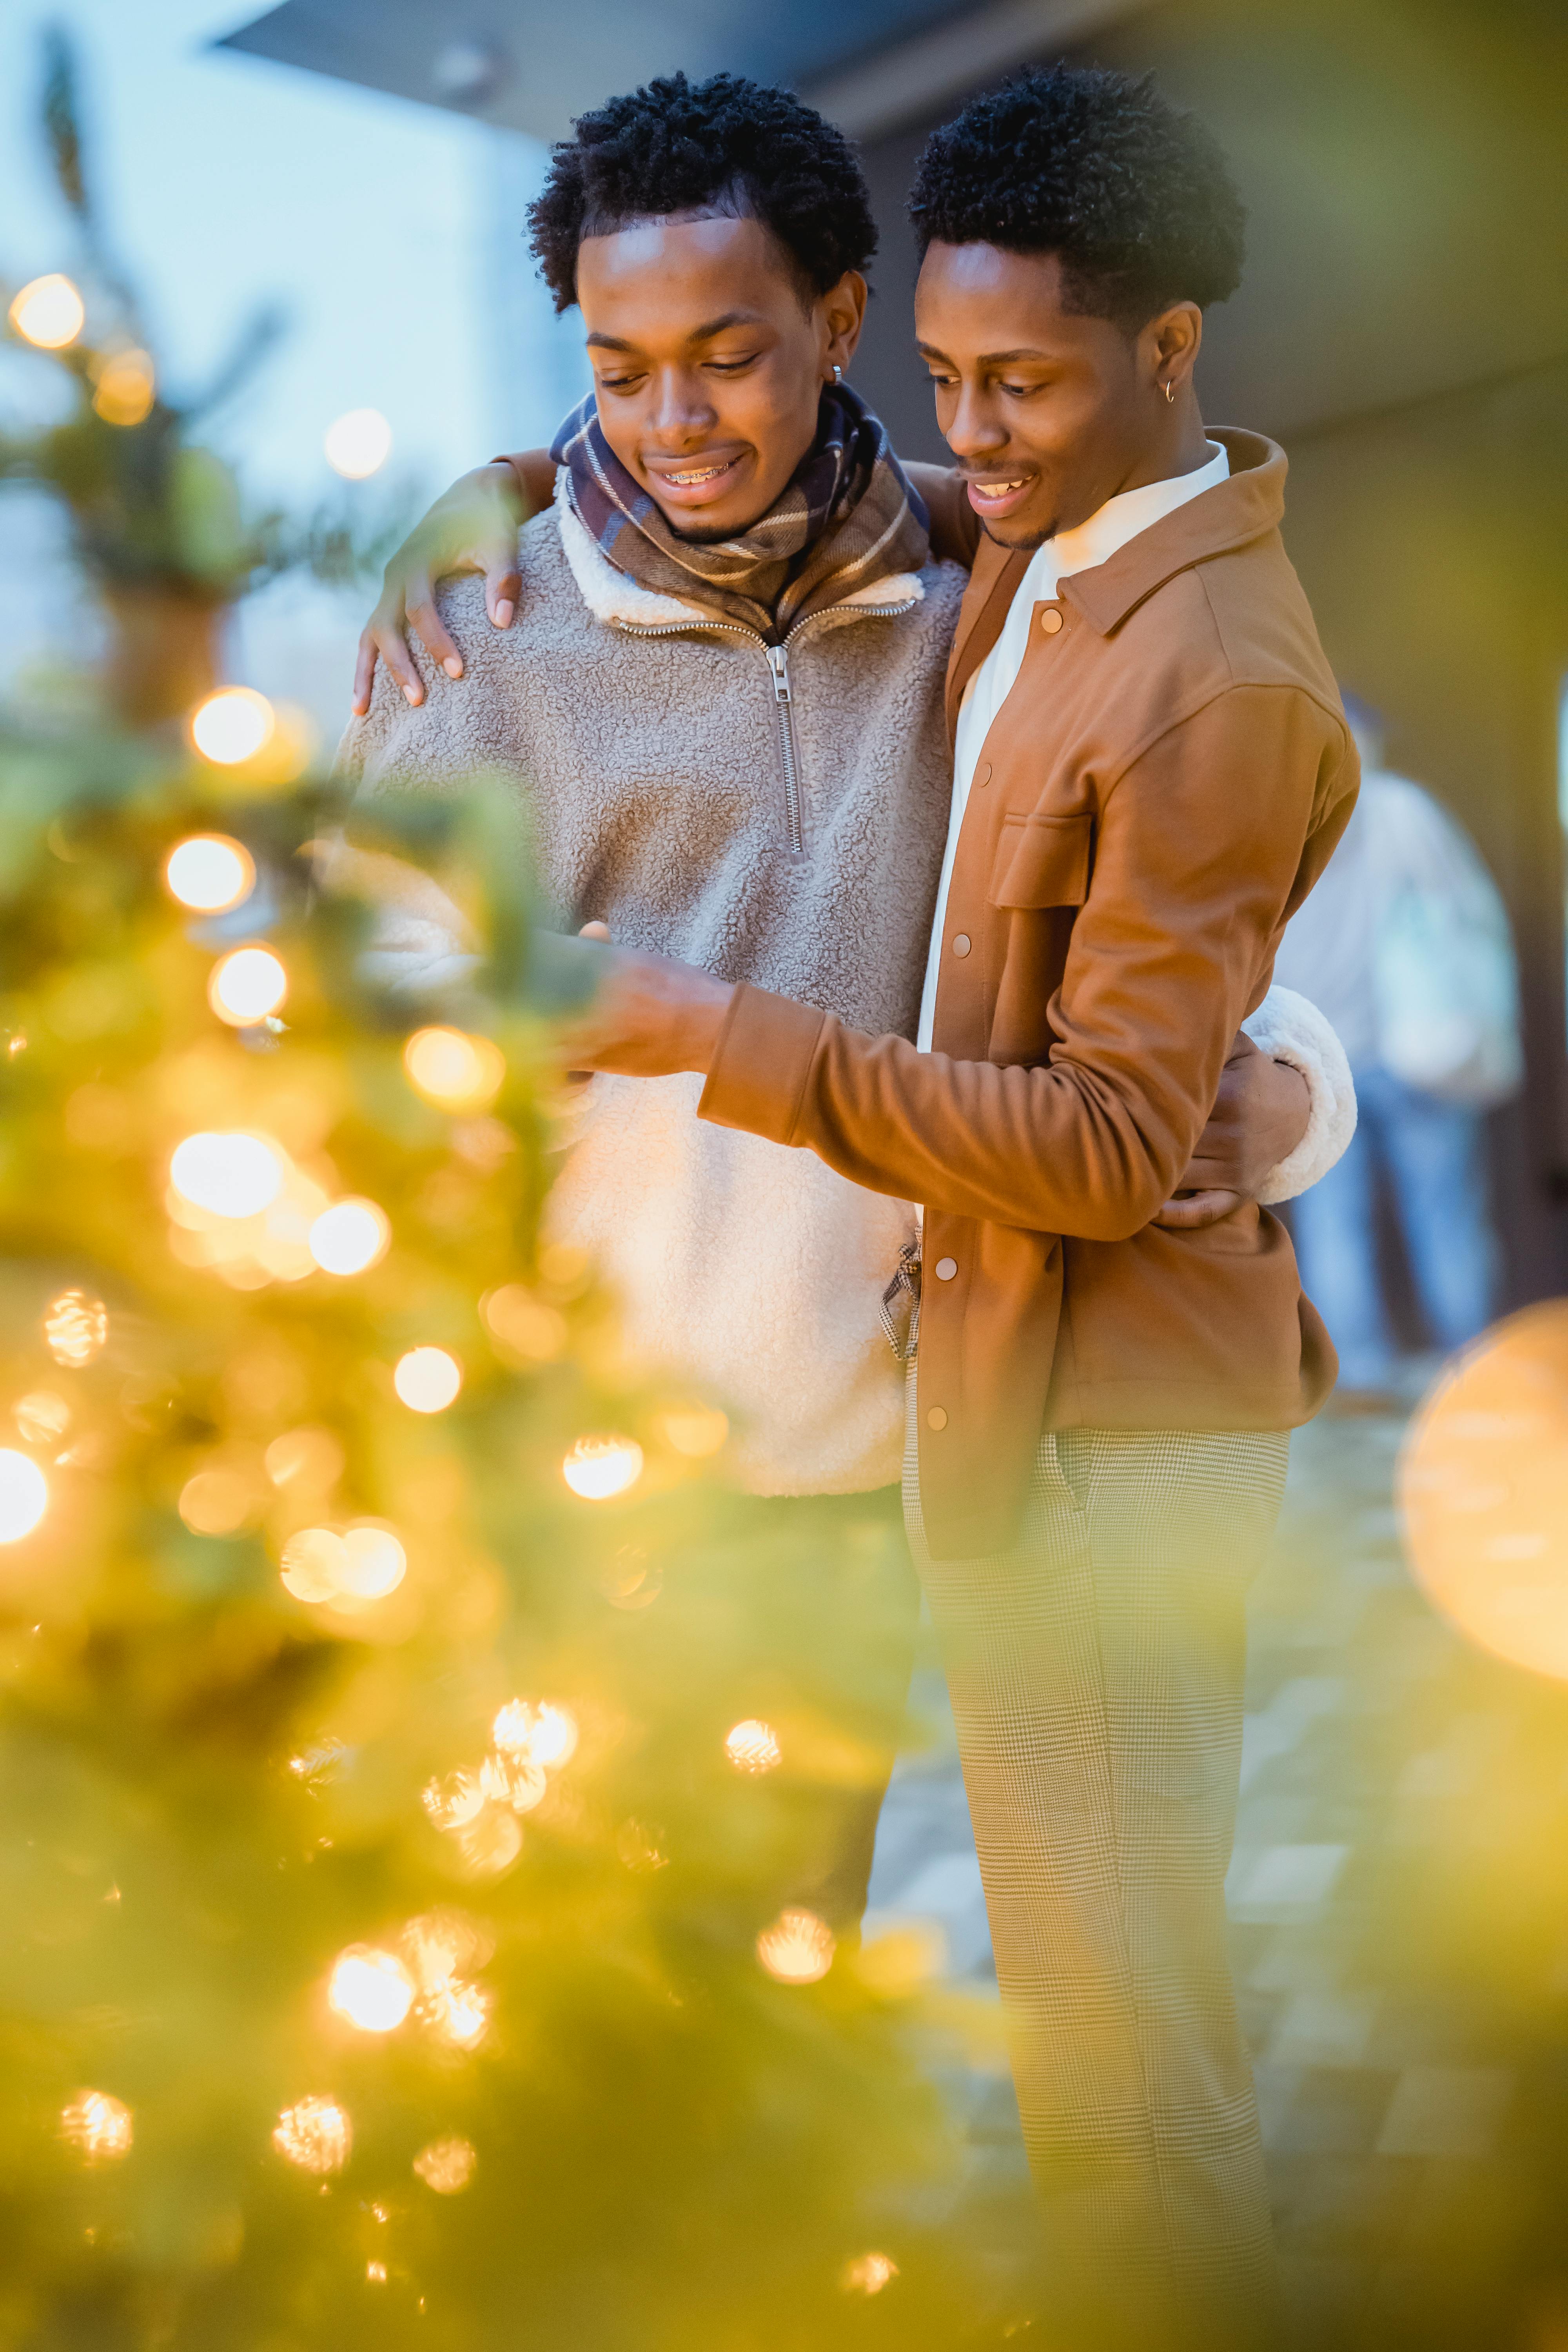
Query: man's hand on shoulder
[[472, 527]]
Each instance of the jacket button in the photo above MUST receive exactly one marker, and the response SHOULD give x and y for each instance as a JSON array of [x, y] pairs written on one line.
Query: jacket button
[[963, 944], [936, 1418], [983, 773], [1051, 620], [946, 1268]]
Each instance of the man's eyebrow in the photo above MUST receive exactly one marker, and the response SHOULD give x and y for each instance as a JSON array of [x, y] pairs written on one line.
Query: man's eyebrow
[[987, 359], [703, 334]]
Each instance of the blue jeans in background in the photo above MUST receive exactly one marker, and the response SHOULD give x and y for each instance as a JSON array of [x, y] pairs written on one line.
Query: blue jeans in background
[[1432, 1154]]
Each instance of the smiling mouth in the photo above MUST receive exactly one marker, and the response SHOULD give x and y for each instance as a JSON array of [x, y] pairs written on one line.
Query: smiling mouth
[[691, 478], [997, 491]]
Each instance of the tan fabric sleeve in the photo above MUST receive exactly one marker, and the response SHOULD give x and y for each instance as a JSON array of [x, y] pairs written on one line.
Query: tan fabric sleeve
[[1204, 846], [954, 525]]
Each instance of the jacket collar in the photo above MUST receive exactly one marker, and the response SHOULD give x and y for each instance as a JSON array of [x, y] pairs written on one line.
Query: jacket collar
[[1234, 512], [1230, 515]]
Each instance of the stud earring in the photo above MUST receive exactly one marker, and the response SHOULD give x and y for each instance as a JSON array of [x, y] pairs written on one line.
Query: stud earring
[[837, 373]]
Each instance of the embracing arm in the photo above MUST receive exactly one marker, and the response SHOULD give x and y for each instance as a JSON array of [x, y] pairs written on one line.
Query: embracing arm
[[1193, 882]]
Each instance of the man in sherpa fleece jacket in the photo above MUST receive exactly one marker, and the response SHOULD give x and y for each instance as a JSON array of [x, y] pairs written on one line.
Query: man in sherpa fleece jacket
[[722, 694]]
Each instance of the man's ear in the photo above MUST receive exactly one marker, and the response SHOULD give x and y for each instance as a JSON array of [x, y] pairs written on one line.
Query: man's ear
[[1170, 344], [843, 314]]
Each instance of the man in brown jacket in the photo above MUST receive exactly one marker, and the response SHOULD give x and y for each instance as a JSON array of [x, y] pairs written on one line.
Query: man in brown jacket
[[1151, 768]]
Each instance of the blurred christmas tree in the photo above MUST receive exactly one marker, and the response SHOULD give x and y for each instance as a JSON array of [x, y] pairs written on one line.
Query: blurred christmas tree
[[393, 1824], [156, 514]]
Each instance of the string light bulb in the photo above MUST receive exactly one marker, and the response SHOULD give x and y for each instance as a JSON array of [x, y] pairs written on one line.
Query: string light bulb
[[316, 2134], [453, 1071], [350, 1237], [76, 1327], [23, 1495], [372, 1989], [209, 873], [126, 387], [599, 1467], [447, 2165], [797, 1948], [232, 726], [358, 444], [246, 986], [869, 2274], [102, 2127], [229, 1173], [753, 1746], [428, 1379], [49, 313]]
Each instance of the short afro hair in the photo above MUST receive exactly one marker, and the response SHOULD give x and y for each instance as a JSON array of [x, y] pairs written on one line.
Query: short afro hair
[[1133, 197], [725, 145]]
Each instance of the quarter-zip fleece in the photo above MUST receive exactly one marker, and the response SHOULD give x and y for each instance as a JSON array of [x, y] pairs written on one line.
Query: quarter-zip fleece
[[1158, 793], [776, 812]]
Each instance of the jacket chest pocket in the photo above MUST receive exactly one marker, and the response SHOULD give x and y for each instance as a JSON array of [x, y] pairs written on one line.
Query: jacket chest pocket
[[1042, 861]]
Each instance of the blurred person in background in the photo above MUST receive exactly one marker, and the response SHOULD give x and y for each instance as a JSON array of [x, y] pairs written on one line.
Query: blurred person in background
[[1405, 945]]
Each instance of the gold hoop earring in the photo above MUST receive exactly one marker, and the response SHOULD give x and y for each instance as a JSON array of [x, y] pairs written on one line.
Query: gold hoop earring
[[1170, 394]]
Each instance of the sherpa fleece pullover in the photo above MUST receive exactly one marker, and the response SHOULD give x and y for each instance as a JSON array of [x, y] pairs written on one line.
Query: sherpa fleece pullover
[[675, 795], [656, 752]]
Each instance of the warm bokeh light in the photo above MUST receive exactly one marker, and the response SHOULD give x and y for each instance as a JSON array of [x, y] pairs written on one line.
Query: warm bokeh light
[[447, 2165], [218, 1502], [76, 1326], [227, 1172], [351, 1570], [23, 1495], [598, 1467], [373, 1563], [98, 2125], [246, 986], [428, 1379], [372, 1989], [210, 873], [350, 1237], [1484, 1491], [695, 1430], [232, 725], [511, 1780], [453, 1070], [458, 2013], [753, 1746], [490, 1843], [869, 2274], [797, 1948], [312, 1564], [49, 312], [316, 2134], [455, 1802], [42, 1417], [523, 1325], [358, 443], [309, 1459], [126, 387], [545, 1735]]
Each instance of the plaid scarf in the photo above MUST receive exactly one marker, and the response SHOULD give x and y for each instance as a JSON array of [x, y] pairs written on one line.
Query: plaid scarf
[[848, 515]]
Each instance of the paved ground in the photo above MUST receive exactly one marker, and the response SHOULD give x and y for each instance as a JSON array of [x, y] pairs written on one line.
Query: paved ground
[[1399, 1901]]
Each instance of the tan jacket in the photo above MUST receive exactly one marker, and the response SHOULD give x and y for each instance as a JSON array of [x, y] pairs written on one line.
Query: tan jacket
[[1158, 793]]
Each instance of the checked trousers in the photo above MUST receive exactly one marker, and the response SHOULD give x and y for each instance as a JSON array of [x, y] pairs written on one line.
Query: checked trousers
[[1096, 1678]]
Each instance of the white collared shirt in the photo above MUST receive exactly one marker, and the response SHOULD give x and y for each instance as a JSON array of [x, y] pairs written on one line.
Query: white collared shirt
[[1080, 549]]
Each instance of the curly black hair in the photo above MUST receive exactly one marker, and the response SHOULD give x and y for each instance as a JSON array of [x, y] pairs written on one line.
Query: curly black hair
[[725, 146], [1133, 197]]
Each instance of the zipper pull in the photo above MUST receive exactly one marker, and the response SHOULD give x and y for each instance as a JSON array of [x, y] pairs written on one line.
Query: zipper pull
[[778, 662]]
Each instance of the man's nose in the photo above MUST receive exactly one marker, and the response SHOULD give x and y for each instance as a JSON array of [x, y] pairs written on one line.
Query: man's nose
[[974, 429], [682, 409]]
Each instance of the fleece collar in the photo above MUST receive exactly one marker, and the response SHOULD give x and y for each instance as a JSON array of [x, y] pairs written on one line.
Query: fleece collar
[[622, 603]]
